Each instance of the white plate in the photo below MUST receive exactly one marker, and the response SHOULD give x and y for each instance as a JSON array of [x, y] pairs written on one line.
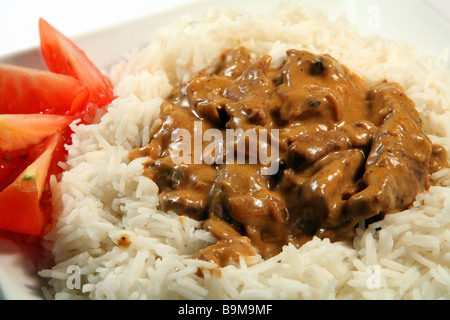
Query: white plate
[[413, 21]]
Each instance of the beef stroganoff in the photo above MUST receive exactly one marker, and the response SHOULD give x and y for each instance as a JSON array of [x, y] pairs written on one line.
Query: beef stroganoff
[[139, 226]]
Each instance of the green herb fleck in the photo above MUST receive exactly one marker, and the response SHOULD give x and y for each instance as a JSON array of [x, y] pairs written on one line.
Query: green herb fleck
[[28, 177]]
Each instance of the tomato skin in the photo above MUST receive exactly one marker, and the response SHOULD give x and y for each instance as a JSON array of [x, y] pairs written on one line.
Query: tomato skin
[[27, 90], [23, 212], [25, 204], [63, 56]]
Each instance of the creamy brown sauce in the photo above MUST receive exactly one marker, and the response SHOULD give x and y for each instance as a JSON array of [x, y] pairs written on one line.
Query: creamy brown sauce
[[347, 153]]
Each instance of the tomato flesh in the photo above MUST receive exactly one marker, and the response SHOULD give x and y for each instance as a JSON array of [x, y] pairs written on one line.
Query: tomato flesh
[[27, 90], [12, 162], [18, 131], [25, 204]]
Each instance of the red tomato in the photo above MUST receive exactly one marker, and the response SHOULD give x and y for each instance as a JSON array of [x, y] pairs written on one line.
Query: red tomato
[[18, 131], [25, 204], [36, 108], [11, 164], [26, 90], [63, 56]]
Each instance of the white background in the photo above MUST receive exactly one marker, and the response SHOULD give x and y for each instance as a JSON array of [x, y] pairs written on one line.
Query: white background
[[19, 18]]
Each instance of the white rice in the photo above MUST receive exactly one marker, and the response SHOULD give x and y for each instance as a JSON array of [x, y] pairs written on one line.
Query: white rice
[[103, 196]]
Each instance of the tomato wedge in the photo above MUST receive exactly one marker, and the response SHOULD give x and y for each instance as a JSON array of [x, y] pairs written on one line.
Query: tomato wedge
[[27, 90], [63, 56], [11, 164], [19, 131], [36, 108], [25, 204]]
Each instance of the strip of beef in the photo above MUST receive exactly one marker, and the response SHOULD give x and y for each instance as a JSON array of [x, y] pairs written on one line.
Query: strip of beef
[[397, 168], [309, 147], [317, 195]]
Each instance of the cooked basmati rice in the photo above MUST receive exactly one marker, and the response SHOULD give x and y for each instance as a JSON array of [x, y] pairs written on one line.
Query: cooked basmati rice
[[104, 196]]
